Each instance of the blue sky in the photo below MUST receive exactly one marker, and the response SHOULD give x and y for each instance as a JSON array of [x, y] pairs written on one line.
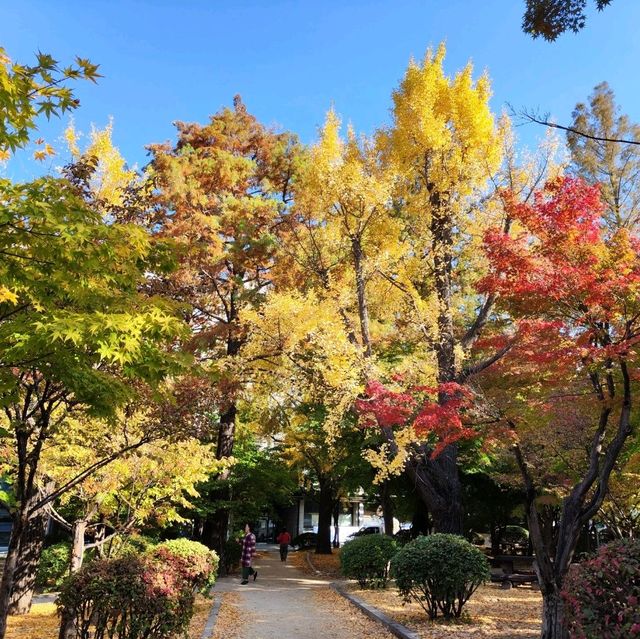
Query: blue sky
[[183, 60]]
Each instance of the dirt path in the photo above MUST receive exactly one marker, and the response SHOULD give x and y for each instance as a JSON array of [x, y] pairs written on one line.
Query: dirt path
[[283, 603]]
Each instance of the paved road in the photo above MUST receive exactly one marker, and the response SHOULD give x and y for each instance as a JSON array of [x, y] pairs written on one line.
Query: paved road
[[283, 603]]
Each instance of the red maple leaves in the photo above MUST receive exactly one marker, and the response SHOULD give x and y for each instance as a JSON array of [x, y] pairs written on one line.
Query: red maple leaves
[[568, 296], [434, 413]]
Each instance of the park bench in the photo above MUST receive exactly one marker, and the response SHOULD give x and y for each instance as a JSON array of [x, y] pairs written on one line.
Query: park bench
[[513, 570]]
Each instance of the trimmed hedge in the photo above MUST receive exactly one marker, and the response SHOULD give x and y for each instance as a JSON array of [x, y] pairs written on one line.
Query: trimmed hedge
[[602, 594], [440, 572], [367, 558]]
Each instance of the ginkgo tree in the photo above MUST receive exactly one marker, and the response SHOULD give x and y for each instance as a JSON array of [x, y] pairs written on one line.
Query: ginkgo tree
[[443, 145]]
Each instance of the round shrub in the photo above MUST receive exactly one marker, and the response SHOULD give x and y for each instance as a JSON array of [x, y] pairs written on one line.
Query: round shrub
[[191, 560], [602, 594], [367, 558], [53, 566], [128, 598], [440, 572]]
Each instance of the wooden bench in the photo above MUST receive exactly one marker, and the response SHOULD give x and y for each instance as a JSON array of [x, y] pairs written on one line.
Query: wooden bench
[[513, 570]]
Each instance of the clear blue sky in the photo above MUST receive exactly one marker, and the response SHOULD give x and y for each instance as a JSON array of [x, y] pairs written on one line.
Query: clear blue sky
[[184, 59]]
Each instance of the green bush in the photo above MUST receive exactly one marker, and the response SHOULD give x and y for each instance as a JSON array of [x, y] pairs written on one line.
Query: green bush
[[367, 558], [440, 572], [193, 561], [602, 594], [53, 567]]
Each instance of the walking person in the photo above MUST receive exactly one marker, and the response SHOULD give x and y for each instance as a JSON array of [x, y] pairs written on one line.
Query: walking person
[[284, 539], [248, 553]]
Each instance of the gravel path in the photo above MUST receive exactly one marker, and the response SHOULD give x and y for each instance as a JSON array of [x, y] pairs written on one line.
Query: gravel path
[[283, 603]]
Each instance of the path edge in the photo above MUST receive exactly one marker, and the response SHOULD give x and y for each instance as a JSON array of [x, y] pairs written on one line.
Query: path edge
[[209, 627], [377, 615]]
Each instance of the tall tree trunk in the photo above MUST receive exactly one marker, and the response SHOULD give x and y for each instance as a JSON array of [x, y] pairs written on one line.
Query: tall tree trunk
[[10, 563], [326, 500], [77, 548], [67, 625], [553, 626], [437, 483], [363, 310], [24, 575], [387, 507], [216, 526], [336, 524]]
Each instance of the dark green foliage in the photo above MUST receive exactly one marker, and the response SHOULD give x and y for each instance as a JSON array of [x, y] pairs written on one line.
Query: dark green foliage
[[53, 567], [515, 538], [440, 572], [602, 594], [551, 18], [232, 554], [367, 558], [148, 597]]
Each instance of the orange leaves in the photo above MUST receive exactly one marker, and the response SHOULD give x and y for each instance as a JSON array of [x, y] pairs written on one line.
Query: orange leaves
[[43, 153]]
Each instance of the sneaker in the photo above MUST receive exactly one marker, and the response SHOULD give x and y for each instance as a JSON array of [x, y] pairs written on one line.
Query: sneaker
[[255, 575], [244, 582]]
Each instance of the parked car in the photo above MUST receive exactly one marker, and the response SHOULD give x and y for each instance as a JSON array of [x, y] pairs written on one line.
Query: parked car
[[404, 536], [305, 540], [366, 530]]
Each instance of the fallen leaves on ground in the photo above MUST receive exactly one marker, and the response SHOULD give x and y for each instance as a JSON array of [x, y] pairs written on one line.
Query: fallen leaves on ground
[[491, 613], [41, 623], [346, 621], [328, 565], [201, 610], [321, 566], [230, 620]]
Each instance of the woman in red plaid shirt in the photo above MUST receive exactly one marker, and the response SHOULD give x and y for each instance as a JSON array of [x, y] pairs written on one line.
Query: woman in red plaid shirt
[[248, 552]]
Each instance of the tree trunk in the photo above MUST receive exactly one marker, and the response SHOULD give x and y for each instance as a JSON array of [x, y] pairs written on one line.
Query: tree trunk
[[226, 432], [553, 626], [437, 483], [363, 310], [325, 509], [24, 575], [77, 549], [10, 563], [336, 524], [387, 508], [215, 532]]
